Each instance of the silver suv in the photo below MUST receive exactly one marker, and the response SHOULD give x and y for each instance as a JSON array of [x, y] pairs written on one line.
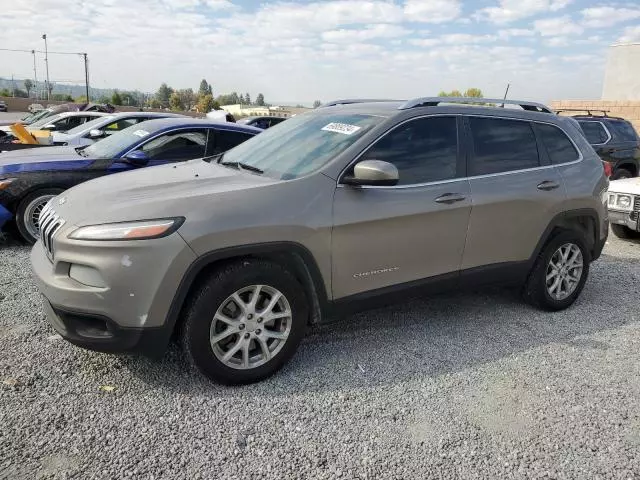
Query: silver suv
[[344, 207]]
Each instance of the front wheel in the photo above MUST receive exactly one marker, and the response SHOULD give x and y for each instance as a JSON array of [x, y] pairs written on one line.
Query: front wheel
[[244, 322], [624, 232], [559, 273], [621, 173], [28, 212]]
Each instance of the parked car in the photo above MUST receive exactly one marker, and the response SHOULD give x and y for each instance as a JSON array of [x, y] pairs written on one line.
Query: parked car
[[3, 106], [624, 207], [30, 178], [35, 107], [261, 122], [91, 132], [66, 107], [614, 139], [338, 209], [60, 122]]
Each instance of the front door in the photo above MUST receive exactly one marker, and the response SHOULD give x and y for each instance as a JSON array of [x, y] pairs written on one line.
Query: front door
[[387, 236]]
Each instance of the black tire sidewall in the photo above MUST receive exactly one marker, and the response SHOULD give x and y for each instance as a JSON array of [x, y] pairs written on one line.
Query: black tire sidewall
[[19, 219], [217, 289], [624, 232], [621, 173], [562, 239]]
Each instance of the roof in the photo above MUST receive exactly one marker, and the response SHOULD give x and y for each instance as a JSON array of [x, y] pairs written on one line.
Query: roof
[[147, 114], [161, 123]]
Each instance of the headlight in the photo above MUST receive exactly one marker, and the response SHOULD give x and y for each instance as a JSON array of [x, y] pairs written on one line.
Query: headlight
[[623, 201], [620, 201], [141, 230], [5, 182]]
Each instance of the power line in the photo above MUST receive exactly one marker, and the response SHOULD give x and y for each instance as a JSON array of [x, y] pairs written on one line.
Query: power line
[[40, 51]]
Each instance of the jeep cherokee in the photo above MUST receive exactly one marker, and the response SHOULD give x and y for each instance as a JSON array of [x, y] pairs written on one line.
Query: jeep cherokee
[[238, 253]]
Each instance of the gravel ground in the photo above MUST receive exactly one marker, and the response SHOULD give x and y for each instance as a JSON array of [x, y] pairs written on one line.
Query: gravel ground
[[473, 385]]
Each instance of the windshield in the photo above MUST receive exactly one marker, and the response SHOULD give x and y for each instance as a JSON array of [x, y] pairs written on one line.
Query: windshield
[[96, 123], [116, 142], [302, 144], [29, 119], [45, 121]]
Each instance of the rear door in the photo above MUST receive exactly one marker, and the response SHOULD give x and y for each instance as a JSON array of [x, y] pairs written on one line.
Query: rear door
[[516, 191], [389, 236]]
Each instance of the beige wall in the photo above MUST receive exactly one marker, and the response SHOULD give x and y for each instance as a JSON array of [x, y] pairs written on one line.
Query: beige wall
[[622, 75], [627, 109]]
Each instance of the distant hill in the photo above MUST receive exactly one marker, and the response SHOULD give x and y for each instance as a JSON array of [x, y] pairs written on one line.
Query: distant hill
[[65, 89]]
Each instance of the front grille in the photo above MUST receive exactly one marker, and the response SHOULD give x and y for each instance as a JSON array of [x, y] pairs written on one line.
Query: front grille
[[49, 223], [636, 208]]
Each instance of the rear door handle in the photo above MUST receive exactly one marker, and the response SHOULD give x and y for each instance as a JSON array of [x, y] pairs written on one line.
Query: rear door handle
[[548, 185], [450, 198]]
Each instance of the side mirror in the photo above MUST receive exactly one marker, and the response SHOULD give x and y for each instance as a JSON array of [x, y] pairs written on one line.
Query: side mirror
[[49, 127], [96, 134], [373, 172], [137, 158]]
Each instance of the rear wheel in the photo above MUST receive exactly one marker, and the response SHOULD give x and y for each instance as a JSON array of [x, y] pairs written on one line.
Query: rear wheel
[[621, 173], [622, 231], [28, 212], [560, 272], [244, 322]]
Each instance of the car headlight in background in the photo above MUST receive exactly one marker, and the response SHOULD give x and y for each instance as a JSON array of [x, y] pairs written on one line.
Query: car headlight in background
[[140, 230], [620, 201]]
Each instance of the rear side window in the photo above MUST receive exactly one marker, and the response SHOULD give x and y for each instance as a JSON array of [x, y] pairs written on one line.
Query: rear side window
[[559, 147], [502, 145], [623, 131], [594, 132], [423, 150], [226, 140]]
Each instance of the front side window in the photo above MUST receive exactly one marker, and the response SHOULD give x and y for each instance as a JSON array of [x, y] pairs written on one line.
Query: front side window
[[423, 150], [301, 145], [227, 139], [120, 125], [180, 145], [594, 132], [559, 148], [93, 123], [502, 145]]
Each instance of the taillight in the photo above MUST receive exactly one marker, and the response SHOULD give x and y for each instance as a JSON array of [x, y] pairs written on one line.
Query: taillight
[[608, 171]]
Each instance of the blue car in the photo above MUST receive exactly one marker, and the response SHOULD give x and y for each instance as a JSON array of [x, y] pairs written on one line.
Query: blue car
[[30, 178]]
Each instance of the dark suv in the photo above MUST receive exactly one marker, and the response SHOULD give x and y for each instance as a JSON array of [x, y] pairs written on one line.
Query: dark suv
[[614, 139]]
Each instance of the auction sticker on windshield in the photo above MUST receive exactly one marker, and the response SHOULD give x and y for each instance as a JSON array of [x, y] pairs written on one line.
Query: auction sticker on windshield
[[343, 128], [141, 133]]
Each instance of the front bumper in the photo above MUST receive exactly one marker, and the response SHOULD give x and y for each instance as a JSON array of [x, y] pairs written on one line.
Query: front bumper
[[119, 297], [627, 219]]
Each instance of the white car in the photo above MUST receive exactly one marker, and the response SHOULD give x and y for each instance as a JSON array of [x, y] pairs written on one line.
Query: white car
[[60, 122], [35, 107], [624, 207], [100, 128]]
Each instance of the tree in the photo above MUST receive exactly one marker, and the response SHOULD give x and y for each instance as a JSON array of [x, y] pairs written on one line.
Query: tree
[[175, 103], [5, 93], [247, 99], [62, 97], [205, 88], [20, 93], [317, 103], [28, 85], [260, 100], [163, 94], [116, 98], [154, 103], [473, 92], [81, 99], [188, 98], [129, 98], [452, 93], [206, 103]]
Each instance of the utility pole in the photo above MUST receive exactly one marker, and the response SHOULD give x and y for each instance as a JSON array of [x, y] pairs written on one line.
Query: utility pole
[[13, 87], [35, 73], [86, 75], [46, 61]]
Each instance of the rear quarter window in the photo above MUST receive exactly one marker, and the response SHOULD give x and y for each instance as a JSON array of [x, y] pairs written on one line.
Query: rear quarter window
[[559, 148], [623, 131]]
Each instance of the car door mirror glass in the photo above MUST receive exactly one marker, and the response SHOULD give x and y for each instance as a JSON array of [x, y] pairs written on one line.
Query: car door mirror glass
[[373, 172]]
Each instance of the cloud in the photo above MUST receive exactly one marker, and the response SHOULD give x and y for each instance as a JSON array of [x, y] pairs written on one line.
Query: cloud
[[630, 34], [453, 39], [599, 17], [558, 26], [432, 11], [505, 34], [368, 32], [512, 10]]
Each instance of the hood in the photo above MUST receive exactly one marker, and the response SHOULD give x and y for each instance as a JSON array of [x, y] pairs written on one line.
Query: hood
[[41, 158], [626, 185], [61, 137], [8, 124], [154, 192]]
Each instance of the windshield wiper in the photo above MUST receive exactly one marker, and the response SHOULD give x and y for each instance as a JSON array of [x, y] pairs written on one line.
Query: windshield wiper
[[217, 157], [243, 166]]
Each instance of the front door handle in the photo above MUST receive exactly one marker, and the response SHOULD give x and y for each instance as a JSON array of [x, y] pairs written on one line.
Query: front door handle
[[548, 185], [450, 198]]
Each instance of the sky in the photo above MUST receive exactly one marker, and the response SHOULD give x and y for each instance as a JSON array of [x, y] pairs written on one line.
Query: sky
[[297, 52]]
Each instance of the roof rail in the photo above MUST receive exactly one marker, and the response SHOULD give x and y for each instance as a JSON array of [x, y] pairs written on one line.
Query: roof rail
[[588, 110], [349, 101], [435, 101]]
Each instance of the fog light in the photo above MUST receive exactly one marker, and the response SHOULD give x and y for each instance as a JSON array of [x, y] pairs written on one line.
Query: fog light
[[86, 275]]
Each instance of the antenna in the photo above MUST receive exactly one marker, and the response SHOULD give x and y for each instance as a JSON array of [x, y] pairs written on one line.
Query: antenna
[[505, 93]]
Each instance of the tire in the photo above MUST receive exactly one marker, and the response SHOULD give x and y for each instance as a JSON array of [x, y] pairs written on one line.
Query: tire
[[624, 232], [214, 296], [536, 291], [621, 173], [28, 208]]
